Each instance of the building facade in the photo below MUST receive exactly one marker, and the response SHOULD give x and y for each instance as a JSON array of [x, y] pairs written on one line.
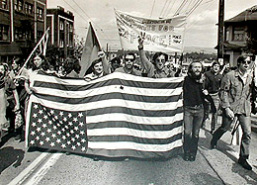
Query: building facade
[[22, 24], [239, 30], [61, 25]]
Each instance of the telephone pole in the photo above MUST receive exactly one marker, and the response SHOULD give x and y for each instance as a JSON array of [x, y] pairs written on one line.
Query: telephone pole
[[221, 30]]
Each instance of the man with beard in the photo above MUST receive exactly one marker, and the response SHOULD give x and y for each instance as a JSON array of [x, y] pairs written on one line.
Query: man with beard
[[212, 84], [193, 100], [7, 91], [129, 60], [235, 97]]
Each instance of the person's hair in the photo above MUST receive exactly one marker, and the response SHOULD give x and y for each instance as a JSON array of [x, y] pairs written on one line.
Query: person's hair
[[6, 67], [91, 68], [116, 59], [130, 53], [242, 58], [215, 63], [190, 67], [157, 54], [68, 65], [45, 65], [76, 65]]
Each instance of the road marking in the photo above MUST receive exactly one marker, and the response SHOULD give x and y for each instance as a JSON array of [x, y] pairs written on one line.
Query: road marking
[[28, 171], [36, 178]]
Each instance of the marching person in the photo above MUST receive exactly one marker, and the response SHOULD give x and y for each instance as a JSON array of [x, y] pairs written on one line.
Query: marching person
[[7, 91], [193, 101], [115, 63], [157, 68], [98, 68], [212, 84], [129, 61], [235, 97]]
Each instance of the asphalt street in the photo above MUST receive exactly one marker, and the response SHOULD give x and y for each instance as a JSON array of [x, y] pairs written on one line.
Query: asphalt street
[[218, 166]]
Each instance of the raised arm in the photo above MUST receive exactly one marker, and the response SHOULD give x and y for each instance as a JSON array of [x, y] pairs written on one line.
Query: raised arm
[[147, 65]]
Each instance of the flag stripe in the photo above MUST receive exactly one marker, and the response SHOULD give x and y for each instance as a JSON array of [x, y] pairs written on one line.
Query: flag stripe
[[124, 153], [109, 89], [110, 82], [135, 139], [124, 124], [134, 133], [134, 146], [112, 95], [111, 103], [135, 119]]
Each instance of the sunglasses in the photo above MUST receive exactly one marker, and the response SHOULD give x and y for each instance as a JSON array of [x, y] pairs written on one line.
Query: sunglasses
[[160, 60], [129, 59], [246, 62]]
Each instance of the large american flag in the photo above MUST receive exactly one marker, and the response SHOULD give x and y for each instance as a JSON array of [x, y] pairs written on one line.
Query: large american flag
[[126, 115]]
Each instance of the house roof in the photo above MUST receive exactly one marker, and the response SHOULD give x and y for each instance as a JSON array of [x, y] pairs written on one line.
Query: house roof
[[248, 15]]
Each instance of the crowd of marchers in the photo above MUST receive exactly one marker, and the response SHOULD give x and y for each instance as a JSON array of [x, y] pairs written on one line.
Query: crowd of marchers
[[221, 91]]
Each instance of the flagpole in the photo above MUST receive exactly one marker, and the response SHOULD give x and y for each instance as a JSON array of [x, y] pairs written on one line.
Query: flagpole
[[32, 52]]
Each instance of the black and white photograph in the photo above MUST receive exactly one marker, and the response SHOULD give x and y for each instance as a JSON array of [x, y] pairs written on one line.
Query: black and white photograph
[[128, 92]]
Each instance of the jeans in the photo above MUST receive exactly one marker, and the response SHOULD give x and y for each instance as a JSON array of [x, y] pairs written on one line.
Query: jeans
[[216, 101], [193, 119], [245, 122]]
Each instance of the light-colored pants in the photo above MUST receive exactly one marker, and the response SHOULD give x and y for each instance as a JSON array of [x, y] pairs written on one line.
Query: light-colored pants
[[3, 105]]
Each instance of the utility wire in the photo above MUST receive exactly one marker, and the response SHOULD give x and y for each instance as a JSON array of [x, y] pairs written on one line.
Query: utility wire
[[91, 20], [164, 6], [152, 8], [167, 10], [181, 6], [194, 8]]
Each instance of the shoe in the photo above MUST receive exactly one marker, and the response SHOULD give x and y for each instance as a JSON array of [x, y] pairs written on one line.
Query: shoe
[[213, 145], [186, 157], [17, 137], [244, 164], [192, 157]]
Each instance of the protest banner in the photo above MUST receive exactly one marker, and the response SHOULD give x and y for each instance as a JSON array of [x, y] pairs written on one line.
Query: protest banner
[[165, 35]]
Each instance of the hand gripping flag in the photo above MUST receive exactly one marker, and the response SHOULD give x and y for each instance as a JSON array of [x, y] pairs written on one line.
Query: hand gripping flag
[[126, 115]]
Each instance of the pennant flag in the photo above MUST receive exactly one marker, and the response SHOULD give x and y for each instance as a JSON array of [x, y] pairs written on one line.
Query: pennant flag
[[166, 35], [90, 51], [126, 115]]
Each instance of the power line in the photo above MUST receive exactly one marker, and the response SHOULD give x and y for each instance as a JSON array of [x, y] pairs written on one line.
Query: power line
[[152, 8], [163, 7], [167, 9], [181, 6], [91, 20]]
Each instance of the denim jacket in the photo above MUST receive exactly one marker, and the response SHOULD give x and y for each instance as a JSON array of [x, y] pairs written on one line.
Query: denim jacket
[[235, 94]]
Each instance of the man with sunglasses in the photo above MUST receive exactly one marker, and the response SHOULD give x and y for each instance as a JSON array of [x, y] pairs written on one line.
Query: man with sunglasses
[[235, 94], [129, 60], [157, 68]]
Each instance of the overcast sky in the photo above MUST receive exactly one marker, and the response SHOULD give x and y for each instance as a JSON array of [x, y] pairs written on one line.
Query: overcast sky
[[201, 30]]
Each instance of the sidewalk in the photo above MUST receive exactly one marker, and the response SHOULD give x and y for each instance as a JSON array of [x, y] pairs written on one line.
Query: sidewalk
[[223, 159]]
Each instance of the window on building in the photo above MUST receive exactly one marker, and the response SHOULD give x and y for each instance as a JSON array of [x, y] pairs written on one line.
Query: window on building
[[18, 5], [61, 25], [227, 34], [40, 12], [4, 4], [18, 34], [61, 43], [238, 34], [28, 8], [71, 28], [4, 32]]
